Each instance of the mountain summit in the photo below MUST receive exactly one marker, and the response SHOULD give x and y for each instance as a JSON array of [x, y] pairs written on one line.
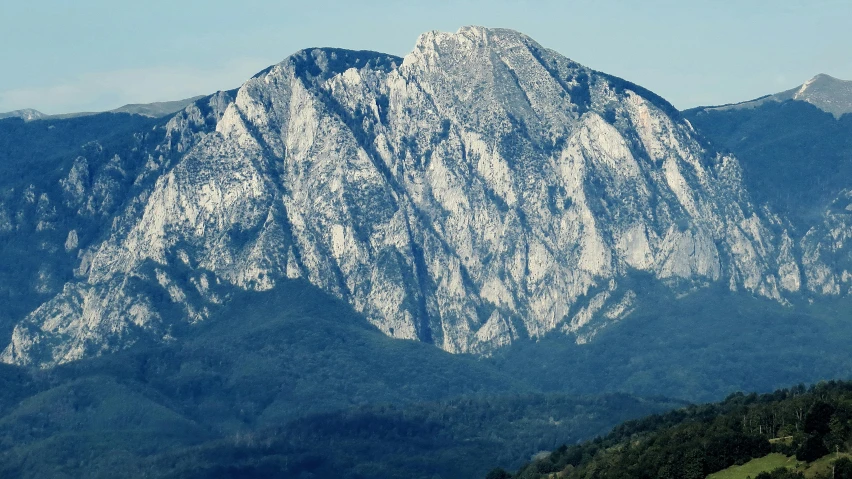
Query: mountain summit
[[27, 114], [823, 91], [480, 190]]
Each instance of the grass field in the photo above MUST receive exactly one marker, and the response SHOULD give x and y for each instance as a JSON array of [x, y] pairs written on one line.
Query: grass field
[[756, 466], [771, 462], [823, 465]]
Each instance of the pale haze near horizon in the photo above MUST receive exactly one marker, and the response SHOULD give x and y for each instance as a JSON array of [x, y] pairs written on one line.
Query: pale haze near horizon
[[94, 55]]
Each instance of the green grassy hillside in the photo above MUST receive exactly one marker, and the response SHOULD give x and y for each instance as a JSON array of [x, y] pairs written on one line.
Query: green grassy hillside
[[752, 468], [824, 467]]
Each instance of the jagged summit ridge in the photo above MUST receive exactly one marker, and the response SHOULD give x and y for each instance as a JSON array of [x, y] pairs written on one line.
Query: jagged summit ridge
[[480, 190]]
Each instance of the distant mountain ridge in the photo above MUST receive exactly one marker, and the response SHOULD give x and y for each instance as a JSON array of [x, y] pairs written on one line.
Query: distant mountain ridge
[[825, 92], [153, 110], [27, 114]]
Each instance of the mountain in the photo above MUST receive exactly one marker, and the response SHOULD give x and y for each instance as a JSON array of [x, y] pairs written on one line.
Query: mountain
[[27, 114], [796, 158], [789, 434], [481, 190], [153, 110], [156, 109], [63, 181], [41, 227], [823, 91], [271, 281]]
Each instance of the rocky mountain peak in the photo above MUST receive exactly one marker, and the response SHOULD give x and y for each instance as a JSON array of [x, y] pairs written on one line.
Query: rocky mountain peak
[[472, 38], [825, 92], [320, 64], [482, 190], [824, 77], [27, 114]]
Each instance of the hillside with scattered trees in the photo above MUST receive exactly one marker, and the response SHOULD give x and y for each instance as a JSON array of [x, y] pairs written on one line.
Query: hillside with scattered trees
[[810, 426]]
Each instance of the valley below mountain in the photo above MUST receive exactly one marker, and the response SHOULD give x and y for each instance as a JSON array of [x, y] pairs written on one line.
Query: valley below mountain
[[305, 387]]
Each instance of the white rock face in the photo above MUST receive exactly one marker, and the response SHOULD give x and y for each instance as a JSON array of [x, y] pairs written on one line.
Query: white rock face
[[72, 241], [827, 250], [479, 190]]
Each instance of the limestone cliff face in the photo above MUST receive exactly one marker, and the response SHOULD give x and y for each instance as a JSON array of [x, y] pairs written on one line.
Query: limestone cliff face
[[827, 250], [481, 189]]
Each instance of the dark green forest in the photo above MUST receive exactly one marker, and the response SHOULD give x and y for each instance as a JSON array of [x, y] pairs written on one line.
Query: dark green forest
[[699, 347], [696, 441]]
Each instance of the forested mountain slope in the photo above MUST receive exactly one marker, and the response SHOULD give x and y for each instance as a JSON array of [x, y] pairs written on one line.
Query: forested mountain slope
[[300, 385], [693, 442]]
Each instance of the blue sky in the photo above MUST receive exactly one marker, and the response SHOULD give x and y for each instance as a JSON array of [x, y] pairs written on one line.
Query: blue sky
[[88, 55]]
